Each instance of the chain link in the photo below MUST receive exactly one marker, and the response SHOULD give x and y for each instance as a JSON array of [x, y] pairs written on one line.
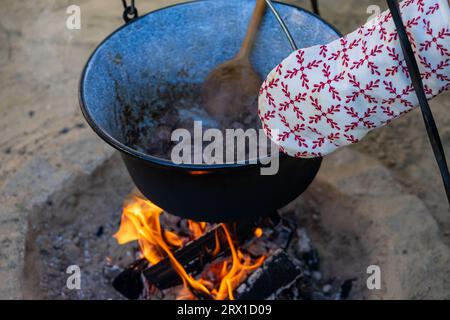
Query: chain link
[[130, 12]]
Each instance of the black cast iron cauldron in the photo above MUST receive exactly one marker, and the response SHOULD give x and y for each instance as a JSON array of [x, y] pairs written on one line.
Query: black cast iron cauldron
[[181, 44]]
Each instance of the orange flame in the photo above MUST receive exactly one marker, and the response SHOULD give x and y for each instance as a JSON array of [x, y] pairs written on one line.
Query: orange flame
[[240, 267], [141, 222], [197, 228]]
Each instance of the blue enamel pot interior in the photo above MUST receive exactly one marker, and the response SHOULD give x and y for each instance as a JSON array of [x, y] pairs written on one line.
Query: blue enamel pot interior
[[128, 74]]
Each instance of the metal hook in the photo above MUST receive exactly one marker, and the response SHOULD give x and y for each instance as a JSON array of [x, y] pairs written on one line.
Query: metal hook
[[130, 12]]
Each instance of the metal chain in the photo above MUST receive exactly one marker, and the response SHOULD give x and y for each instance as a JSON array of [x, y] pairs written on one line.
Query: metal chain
[[130, 12], [315, 7]]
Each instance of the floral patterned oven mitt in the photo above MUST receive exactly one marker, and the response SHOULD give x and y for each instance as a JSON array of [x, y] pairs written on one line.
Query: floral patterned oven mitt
[[324, 97]]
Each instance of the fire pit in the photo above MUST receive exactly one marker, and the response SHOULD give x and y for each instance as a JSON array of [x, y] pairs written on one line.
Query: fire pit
[[76, 224], [278, 259]]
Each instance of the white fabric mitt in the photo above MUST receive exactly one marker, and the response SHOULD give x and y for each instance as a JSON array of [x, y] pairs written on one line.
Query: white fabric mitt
[[324, 97]]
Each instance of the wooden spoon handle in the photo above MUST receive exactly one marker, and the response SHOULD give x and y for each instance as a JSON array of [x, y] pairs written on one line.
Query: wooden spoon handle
[[252, 30]]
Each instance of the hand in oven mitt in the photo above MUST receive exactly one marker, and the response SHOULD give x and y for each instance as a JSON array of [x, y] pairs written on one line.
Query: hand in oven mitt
[[324, 97]]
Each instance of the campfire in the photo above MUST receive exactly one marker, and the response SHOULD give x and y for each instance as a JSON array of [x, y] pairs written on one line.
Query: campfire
[[205, 261], [141, 221]]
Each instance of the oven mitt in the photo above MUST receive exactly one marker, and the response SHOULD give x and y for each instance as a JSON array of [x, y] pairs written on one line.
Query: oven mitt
[[327, 96]]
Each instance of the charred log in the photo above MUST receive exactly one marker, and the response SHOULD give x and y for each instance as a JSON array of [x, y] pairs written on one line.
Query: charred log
[[193, 257], [277, 272], [129, 282]]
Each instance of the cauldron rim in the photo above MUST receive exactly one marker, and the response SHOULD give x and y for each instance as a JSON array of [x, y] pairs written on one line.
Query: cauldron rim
[[116, 144]]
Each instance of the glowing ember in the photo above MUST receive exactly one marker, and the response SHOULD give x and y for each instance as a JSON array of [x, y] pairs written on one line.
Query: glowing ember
[[141, 222], [258, 232]]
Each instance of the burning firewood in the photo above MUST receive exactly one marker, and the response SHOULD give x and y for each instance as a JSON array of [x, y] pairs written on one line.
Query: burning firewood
[[164, 267]]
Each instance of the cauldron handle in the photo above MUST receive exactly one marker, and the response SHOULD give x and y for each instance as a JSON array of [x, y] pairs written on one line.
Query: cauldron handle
[[282, 25]]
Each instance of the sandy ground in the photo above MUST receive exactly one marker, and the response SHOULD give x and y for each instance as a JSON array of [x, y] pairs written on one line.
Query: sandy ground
[[43, 136]]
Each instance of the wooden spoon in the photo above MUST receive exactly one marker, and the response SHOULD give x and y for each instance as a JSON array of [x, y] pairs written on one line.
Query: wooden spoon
[[230, 91]]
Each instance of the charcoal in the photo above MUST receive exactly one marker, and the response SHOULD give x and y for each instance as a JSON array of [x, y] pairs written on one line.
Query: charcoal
[[346, 288], [282, 236], [129, 282], [277, 272]]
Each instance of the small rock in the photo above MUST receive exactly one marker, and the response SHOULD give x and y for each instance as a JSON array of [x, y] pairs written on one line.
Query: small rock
[[326, 288], [64, 130], [111, 272], [317, 275], [100, 231], [71, 252], [303, 242], [58, 242]]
